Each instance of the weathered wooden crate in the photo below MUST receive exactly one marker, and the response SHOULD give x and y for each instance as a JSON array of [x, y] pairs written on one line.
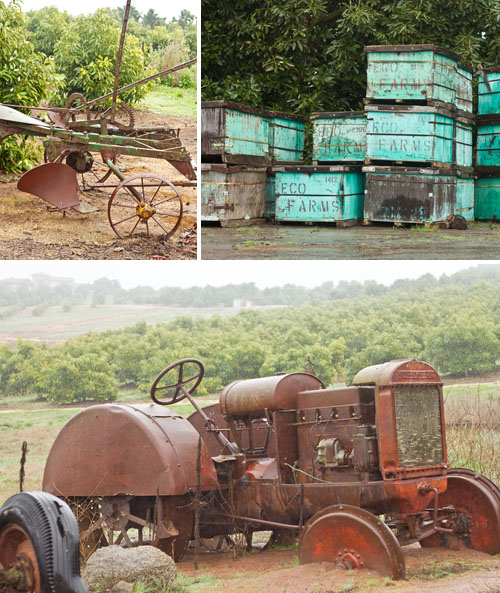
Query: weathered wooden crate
[[232, 193], [487, 197], [411, 194], [319, 194], [233, 133], [488, 141], [271, 195], [286, 137], [418, 134], [339, 136], [489, 92], [411, 73], [464, 87]]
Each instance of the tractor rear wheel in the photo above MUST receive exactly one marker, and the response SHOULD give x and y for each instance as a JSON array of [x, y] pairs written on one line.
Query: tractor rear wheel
[[133, 521], [39, 544], [473, 514], [351, 537]]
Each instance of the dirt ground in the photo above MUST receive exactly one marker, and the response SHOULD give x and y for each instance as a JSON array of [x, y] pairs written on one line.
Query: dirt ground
[[378, 241], [434, 570], [30, 231]]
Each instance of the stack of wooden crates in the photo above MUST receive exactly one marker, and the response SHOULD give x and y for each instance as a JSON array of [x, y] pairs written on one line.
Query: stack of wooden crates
[[418, 160], [487, 196], [240, 144]]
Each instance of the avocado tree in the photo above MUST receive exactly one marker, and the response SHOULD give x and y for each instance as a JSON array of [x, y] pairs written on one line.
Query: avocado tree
[[307, 55], [86, 56], [26, 78]]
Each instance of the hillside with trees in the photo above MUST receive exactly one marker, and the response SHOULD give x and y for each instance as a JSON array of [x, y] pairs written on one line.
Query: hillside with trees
[[452, 322]]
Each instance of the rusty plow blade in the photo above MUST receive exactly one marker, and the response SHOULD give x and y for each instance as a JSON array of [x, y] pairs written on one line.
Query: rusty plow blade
[[56, 183]]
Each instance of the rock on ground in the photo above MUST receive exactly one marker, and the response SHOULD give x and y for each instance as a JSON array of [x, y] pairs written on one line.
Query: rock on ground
[[108, 566]]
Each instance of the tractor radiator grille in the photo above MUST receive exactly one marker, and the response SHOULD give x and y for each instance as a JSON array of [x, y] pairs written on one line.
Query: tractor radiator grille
[[418, 425]]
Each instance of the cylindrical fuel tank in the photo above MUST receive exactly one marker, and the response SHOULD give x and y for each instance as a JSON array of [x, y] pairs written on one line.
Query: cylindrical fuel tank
[[250, 398], [140, 450]]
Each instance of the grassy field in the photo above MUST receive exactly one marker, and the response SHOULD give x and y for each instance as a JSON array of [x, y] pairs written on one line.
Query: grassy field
[[472, 413], [170, 100], [56, 325]]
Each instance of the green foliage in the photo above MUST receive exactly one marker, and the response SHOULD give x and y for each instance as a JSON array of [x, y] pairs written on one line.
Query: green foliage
[[152, 20], [157, 37], [170, 49], [26, 77], [86, 55], [465, 342], [79, 379], [19, 153], [453, 323], [40, 309], [307, 55], [47, 26]]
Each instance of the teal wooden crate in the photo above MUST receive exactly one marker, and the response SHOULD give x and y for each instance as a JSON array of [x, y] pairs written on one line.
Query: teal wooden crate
[[415, 195], [319, 194], [271, 195], [339, 136], [232, 192], [411, 73], [488, 141], [487, 197], [489, 92], [463, 98], [286, 137], [411, 134], [233, 133]]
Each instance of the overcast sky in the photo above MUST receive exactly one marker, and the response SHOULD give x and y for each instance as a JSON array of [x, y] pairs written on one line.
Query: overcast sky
[[163, 8], [216, 273]]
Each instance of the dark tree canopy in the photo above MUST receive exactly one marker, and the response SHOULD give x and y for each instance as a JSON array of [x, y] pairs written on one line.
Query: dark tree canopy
[[307, 55]]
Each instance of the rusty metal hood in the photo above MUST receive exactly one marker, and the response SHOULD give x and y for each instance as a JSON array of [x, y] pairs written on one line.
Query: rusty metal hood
[[113, 449], [397, 371]]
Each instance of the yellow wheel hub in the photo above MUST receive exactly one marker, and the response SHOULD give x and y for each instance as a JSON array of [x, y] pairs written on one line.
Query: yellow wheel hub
[[145, 211]]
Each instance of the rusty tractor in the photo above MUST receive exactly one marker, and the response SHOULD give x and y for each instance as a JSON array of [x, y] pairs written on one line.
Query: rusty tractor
[[39, 546], [355, 472]]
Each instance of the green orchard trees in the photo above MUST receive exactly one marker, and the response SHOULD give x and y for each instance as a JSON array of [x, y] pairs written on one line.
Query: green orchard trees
[[307, 55]]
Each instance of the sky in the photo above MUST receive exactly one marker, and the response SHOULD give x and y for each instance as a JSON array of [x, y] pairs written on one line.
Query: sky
[[163, 8], [217, 273]]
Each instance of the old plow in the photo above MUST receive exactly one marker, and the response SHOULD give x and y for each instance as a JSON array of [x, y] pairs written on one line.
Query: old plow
[[82, 141]]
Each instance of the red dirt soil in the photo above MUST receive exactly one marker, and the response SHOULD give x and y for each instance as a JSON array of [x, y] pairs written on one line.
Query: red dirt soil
[[435, 570]]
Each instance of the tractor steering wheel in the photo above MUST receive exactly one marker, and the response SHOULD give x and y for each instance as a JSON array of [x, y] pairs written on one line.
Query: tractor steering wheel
[[182, 386]]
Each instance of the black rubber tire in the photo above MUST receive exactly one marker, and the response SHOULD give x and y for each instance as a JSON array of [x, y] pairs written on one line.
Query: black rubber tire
[[53, 532]]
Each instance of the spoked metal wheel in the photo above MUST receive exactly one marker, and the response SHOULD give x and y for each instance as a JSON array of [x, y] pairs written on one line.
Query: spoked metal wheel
[[145, 205], [470, 509], [351, 537]]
